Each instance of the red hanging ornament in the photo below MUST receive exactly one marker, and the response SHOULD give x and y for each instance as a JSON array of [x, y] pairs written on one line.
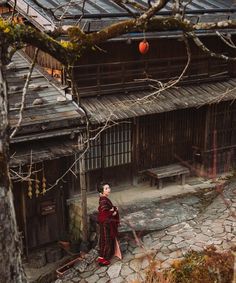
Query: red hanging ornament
[[143, 47]]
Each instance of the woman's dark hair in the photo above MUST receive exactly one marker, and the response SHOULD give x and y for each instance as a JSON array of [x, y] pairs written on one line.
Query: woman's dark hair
[[101, 187]]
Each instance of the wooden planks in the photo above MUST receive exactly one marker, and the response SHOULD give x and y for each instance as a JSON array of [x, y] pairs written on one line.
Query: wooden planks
[[135, 104], [167, 171]]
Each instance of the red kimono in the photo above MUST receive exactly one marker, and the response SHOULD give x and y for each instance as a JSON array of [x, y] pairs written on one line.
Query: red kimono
[[108, 224]]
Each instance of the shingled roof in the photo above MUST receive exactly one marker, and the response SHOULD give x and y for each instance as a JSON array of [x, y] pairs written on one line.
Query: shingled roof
[[48, 14], [134, 104], [47, 110], [48, 116]]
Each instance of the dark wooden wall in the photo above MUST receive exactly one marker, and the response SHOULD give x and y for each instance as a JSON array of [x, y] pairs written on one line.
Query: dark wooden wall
[[176, 136], [38, 228], [159, 48], [116, 176], [232, 52], [205, 136], [220, 148], [169, 137], [118, 67]]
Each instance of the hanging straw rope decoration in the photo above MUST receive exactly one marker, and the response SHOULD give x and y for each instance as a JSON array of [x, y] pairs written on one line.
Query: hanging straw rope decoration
[[30, 194]]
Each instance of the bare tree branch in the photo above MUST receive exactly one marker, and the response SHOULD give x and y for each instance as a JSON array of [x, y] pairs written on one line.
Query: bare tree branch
[[226, 39], [210, 53], [25, 88]]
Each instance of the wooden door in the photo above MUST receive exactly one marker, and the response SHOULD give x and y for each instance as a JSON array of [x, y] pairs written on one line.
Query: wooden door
[[45, 214]]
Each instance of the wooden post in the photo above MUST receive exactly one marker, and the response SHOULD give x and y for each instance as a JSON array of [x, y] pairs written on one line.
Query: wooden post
[[204, 165], [135, 150], [24, 220], [83, 193], [214, 165]]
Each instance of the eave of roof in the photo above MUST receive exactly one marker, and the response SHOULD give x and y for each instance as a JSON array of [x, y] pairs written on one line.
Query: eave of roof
[[39, 151], [124, 106]]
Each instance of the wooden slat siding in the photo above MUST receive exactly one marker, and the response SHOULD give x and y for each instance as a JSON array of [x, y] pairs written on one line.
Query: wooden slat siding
[[162, 59], [43, 59], [163, 138], [134, 150], [109, 79], [222, 118]]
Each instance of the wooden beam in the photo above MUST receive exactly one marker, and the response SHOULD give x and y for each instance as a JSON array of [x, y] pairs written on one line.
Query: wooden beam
[[24, 220], [134, 156], [83, 189]]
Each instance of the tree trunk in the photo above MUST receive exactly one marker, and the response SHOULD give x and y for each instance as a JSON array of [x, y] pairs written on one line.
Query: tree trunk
[[10, 260], [83, 199]]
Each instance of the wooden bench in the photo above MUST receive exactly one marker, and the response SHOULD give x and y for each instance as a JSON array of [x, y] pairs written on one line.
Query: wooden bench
[[157, 174]]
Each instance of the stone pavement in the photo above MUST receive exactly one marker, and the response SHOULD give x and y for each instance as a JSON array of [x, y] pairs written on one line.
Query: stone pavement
[[216, 224]]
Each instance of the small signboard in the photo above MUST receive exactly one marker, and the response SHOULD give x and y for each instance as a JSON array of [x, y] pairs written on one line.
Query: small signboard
[[48, 207]]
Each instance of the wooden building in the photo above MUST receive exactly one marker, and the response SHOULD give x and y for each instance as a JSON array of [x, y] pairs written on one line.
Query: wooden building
[[41, 151], [192, 122]]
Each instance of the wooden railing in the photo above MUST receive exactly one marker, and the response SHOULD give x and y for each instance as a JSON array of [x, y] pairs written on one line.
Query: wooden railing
[[135, 75]]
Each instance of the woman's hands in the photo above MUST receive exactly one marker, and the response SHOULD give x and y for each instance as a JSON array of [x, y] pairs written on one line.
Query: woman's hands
[[114, 208]]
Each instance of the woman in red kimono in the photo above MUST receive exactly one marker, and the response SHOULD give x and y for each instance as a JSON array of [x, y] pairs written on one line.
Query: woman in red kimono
[[108, 219]]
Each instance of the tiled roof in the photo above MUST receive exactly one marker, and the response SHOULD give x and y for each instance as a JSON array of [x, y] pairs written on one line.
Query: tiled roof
[[46, 14]]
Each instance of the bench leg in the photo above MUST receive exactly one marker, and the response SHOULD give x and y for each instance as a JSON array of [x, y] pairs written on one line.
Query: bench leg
[[183, 179], [159, 184]]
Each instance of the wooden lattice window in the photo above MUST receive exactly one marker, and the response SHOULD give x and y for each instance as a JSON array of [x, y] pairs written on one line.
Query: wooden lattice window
[[112, 148], [93, 157]]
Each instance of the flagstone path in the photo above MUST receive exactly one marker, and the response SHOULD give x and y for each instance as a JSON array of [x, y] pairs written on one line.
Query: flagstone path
[[215, 225]]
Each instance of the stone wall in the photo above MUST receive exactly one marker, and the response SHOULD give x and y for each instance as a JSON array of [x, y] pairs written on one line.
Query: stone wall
[[75, 221]]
